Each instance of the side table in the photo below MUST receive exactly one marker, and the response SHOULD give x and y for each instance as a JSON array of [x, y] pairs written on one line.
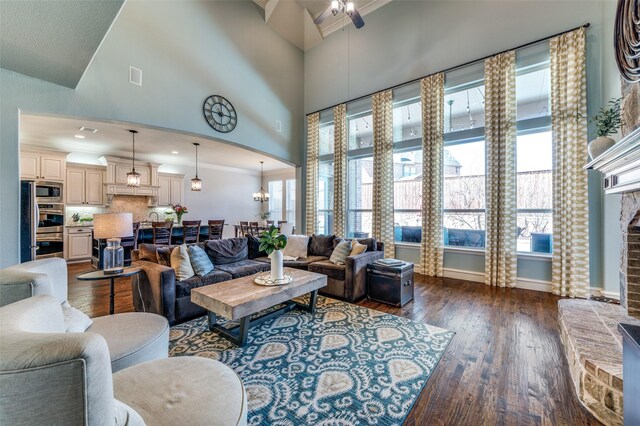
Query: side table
[[100, 275], [392, 285]]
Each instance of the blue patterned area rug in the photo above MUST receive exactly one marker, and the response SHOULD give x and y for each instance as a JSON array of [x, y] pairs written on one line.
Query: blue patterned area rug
[[343, 365]]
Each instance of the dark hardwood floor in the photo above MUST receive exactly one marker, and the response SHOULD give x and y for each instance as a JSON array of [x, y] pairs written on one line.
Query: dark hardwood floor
[[505, 365]]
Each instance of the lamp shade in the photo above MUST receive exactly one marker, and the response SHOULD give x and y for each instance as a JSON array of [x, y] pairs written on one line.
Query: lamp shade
[[112, 225]]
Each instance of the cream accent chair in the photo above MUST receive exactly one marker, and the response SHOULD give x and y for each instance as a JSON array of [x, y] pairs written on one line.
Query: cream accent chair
[[132, 338], [48, 376]]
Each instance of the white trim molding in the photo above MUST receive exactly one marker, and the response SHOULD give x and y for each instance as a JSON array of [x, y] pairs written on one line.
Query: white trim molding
[[522, 283], [600, 292]]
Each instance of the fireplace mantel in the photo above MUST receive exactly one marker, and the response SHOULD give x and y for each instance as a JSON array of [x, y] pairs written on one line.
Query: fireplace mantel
[[620, 165]]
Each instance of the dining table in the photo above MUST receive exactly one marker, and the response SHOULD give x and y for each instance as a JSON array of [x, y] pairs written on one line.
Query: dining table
[[260, 228]]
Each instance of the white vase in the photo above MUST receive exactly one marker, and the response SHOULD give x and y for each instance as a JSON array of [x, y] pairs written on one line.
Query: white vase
[[277, 267], [599, 145]]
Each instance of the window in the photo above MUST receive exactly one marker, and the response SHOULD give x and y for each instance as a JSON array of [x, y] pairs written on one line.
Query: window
[[290, 205], [282, 199], [359, 197], [275, 200], [325, 174]]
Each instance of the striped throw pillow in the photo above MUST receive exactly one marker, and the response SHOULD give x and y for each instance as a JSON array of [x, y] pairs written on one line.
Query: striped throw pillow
[[340, 253]]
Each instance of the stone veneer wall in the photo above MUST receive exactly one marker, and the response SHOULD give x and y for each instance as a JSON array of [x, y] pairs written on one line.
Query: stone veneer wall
[[121, 204], [630, 207]]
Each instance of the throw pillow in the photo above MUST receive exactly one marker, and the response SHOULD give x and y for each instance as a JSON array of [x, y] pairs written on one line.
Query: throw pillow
[[340, 253], [321, 245], [74, 320], [147, 252], [296, 247], [181, 263], [200, 261], [163, 255], [254, 247], [357, 248]]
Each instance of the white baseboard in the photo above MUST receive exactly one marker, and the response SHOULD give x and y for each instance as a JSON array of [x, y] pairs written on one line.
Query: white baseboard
[[599, 292], [524, 283]]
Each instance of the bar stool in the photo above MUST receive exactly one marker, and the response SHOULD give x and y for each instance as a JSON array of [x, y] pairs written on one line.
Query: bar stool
[[190, 231], [162, 232], [216, 226]]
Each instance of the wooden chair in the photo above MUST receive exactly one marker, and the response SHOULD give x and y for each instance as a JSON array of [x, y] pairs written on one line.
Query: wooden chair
[[254, 229], [132, 241], [162, 232], [244, 228], [190, 231], [216, 227], [280, 222], [270, 223]]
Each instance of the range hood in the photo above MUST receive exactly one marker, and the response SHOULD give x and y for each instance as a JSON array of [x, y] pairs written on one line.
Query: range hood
[[620, 165], [116, 181]]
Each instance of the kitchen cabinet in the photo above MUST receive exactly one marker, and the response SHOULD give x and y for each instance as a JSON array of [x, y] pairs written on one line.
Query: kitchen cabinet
[[79, 241], [171, 189], [42, 166], [85, 186]]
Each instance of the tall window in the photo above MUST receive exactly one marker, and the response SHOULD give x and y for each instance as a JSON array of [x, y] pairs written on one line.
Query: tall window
[[275, 199], [325, 174], [290, 201]]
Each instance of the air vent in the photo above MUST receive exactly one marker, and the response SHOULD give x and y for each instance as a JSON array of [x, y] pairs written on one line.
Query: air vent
[[88, 129], [135, 76]]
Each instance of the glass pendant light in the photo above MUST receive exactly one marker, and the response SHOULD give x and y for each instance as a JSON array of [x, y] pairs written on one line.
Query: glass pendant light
[[133, 177], [196, 183], [261, 195]]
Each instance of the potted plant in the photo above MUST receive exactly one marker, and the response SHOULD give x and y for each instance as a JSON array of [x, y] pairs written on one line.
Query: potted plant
[[168, 215], [264, 216], [179, 210], [607, 122], [272, 243]]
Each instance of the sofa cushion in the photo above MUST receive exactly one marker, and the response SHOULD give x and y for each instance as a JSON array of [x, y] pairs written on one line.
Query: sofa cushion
[[181, 263], [183, 288], [200, 261], [357, 248], [148, 252], [321, 245], [163, 255], [302, 262], [296, 247], [254, 247], [371, 243], [75, 321], [340, 253], [243, 268], [230, 250], [330, 269]]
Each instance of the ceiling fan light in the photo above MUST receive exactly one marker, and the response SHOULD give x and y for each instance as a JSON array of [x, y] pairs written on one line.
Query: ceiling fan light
[[335, 6], [350, 8]]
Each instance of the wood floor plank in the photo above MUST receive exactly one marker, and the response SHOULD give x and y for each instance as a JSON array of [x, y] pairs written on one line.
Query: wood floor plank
[[505, 365]]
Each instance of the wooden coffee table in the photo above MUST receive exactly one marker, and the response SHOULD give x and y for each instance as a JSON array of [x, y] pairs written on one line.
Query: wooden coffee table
[[240, 298]]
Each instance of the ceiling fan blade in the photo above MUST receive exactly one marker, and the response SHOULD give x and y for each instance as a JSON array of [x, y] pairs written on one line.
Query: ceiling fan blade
[[357, 19], [324, 15]]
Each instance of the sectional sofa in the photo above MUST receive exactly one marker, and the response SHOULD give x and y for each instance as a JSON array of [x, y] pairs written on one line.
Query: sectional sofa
[[159, 292]]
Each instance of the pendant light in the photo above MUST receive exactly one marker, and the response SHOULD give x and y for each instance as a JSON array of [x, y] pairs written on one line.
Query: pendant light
[[262, 195], [133, 177], [196, 183]]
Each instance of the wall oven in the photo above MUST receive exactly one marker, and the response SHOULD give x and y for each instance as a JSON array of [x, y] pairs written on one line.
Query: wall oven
[[49, 192], [49, 244], [41, 225]]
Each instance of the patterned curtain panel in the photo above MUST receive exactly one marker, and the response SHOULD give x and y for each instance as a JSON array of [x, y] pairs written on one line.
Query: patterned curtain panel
[[570, 264], [382, 109], [340, 170], [432, 96], [501, 261], [313, 146]]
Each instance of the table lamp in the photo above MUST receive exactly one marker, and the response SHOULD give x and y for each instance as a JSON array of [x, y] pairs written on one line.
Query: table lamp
[[112, 227]]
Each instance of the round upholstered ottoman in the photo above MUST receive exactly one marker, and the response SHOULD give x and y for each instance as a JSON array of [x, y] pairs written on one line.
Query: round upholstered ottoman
[[133, 337], [183, 391]]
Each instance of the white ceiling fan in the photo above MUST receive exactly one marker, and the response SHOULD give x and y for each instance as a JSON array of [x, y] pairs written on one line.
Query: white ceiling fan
[[338, 6]]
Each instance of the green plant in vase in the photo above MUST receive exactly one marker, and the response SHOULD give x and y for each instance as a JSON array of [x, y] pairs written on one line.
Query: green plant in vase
[[179, 210], [168, 215], [272, 243], [607, 122]]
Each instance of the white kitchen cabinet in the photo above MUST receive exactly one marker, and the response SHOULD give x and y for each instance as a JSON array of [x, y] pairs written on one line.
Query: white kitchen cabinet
[[171, 189], [122, 170], [42, 166], [85, 186], [79, 243]]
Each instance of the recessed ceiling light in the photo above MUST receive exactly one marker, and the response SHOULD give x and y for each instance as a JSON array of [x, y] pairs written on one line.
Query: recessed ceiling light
[[79, 136], [175, 152], [88, 129]]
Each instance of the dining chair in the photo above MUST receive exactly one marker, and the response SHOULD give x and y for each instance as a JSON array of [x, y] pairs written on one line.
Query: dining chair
[[280, 222], [254, 229], [190, 231], [132, 241], [162, 232], [270, 223], [216, 227], [244, 228]]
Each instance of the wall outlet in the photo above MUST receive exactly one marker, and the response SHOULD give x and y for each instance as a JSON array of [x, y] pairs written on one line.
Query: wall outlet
[[278, 126]]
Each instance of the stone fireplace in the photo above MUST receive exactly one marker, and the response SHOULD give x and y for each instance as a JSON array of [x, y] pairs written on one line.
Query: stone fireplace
[[630, 253]]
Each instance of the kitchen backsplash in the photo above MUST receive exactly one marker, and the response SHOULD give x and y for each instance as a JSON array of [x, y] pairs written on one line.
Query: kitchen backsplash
[[121, 204]]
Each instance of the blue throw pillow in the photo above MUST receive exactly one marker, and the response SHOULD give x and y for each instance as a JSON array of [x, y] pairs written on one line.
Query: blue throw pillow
[[340, 253], [200, 261]]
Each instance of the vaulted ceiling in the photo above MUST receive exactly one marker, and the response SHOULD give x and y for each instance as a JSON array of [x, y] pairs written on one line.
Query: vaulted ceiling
[[293, 19], [53, 40]]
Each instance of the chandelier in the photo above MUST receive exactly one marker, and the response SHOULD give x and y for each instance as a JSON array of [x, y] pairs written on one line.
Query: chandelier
[[133, 177], [261, 195], [196, 183]]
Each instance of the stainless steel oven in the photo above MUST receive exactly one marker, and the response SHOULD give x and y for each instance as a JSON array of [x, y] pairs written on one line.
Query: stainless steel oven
[[49, 192], [50, 244], [50, 218]]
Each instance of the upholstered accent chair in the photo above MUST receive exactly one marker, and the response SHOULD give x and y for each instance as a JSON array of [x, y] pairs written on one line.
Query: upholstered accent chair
[[49, 376]]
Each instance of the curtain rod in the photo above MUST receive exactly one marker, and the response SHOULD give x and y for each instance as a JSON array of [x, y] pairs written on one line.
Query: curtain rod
[[587, 25]]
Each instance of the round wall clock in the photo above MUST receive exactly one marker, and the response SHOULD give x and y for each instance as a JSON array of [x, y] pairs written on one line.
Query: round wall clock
[[220, 114]]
